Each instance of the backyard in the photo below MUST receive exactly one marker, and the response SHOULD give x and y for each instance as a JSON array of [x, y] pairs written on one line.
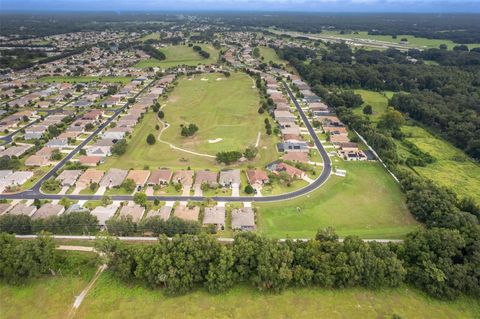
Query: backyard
[[181, 55]]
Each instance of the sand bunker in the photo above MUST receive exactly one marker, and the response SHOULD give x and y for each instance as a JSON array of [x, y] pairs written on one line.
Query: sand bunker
[[215, 140], [203, 79]]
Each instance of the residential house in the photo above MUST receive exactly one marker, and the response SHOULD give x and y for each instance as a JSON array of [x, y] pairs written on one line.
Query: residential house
[[206, 177], [23, 209], [164, 213], [185, 213], [133, 210], [139, 176], [278, 167], [68, 177], [257, 178], [113, 178], [184, 177], [214, 216], [230, 177], [48, 210], [160, 177], [243, 219], [300, 157], [91, 160], [104, 213], [90, 176]]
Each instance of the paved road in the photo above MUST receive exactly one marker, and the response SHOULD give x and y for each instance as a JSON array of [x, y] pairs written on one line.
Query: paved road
[[7, 139], [34, 192], [154, 239]]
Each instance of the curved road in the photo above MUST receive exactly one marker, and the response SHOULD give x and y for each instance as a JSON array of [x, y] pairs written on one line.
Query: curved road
[[34, 192]]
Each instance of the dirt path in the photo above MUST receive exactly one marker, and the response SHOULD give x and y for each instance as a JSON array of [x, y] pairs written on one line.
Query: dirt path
[[83, 294], [258, 139], [159, 138]]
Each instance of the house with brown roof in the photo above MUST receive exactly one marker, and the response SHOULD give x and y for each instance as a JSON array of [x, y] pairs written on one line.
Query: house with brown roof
[[134, 210], [91, 160], [164, 213], [36, 160], [206, 177], [214, 216], [90, 176], [23, 209], [278, 167], [257, 178], [185, 213], [243, 219], [48, 210], [160, 177], [184, 177], [139, 176]]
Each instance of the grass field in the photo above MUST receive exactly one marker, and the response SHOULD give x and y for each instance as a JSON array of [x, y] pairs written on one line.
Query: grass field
[[378, 101], [85, 79], [151, 36], [269, 54], [453, 168], [113, 299], [412, 41], [51, 296], [224, 109], [181, 55], [367, 202]]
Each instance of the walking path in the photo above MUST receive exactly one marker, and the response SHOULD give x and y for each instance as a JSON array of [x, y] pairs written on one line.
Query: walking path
[[258, 139]]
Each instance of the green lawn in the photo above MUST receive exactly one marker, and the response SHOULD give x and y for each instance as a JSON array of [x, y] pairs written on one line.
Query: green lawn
[[367, 202], [181, 55], [151, 36], [113, 299], [378, 101], [269, 54], [412, 41], [86, 79], [50, 296], [225, 108], [453, 168]]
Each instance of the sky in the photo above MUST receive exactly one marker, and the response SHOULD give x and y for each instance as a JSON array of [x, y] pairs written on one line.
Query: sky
[[468, 6]]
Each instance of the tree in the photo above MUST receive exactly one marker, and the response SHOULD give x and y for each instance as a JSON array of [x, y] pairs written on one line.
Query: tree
[[140, 199], [156, 107], [221, 274], [228, 157], [89, 126], [15, 224], [119, 148], [250, 153], [56, 155], [391, 120], [161, 114], [65, 201], [129, 185], [106, 200], [151, 139], [368, 110], [249, 189], [121, 226], [189, 130]]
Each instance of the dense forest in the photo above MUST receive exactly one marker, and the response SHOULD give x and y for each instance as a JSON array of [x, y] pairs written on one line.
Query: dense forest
[[446, 97]]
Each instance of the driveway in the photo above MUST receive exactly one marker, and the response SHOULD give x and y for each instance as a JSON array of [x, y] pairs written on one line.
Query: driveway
[[197, 190], [235, 190]]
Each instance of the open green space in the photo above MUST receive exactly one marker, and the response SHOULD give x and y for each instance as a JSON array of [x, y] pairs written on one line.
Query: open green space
[[366, 202], [112, 299], [452, 167], [86, 79], [269, 54], [151, 36], [378, 101], [412, 41], [181, 55], [49, 296], [221, 107]]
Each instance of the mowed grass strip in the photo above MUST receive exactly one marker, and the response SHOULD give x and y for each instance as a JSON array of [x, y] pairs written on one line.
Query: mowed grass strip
[[367, 202], [181, 55], [86, 79], [112, 299], [452, 168]]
